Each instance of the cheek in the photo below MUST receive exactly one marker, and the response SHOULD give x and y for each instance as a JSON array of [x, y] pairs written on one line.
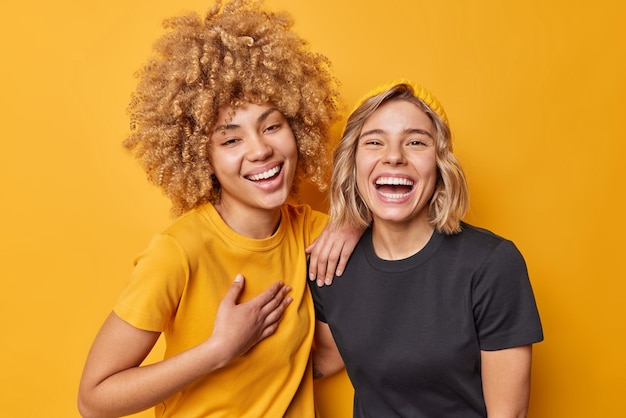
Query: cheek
[[286, 145], [361, 187], [293, 145], [224, 163], [291, 154], [361, 172], [431, 175], [426, 165]]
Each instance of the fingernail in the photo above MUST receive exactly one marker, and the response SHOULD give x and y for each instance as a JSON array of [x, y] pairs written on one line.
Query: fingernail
[[339, 272], [238, 278], [329, 280], [311, 276], [320, 283]]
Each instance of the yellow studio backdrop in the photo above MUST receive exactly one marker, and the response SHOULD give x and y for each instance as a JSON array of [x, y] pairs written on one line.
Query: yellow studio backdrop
[[535, 93]]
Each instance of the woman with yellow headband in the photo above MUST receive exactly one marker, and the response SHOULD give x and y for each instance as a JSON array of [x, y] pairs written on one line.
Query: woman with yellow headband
[[432, 316]]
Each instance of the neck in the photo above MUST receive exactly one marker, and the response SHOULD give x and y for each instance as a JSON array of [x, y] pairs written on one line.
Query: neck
[[397, 241], [251, 223]]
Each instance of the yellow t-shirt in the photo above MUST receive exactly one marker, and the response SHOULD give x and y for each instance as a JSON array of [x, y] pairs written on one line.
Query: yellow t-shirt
[[177, 285]]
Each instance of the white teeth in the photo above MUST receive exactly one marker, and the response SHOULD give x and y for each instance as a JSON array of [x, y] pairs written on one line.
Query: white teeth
[[393, 195], [265, 175], [393, 181]]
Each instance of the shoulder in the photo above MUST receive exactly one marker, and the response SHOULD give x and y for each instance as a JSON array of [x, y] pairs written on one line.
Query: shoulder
[[304, 214], [192, 230], [478, 234], [478, 238], [189, 221], [479, 245], [302, 210]]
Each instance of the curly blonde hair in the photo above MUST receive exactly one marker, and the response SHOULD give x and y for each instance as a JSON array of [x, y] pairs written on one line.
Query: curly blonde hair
[[238, 54], [450, 199]]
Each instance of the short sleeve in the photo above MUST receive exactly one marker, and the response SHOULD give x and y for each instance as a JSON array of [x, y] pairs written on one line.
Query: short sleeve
[[156, 284], [505, 311], [318, 222]]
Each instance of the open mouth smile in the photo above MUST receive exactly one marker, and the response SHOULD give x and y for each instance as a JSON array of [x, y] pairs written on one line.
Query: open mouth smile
[[394, 187], [272, 172]]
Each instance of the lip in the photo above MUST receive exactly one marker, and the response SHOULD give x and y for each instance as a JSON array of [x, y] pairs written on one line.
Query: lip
[[266, 172], [393, 187], [269, 177]]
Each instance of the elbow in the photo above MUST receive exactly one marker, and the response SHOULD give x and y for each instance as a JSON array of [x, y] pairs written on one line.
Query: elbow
[[87, 409], [84, 410]]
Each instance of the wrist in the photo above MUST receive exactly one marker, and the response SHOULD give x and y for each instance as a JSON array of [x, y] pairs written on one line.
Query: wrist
[[217, 353]]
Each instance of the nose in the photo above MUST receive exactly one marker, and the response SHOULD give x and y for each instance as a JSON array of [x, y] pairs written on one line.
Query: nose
[[258, 149], [394, 155]]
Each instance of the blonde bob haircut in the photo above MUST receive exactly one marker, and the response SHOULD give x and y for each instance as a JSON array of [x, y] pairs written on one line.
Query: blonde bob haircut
[[237, 54], [450, 199]]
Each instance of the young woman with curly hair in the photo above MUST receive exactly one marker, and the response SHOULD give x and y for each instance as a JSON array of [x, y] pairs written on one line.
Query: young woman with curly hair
[[433, 317], [232, 113]]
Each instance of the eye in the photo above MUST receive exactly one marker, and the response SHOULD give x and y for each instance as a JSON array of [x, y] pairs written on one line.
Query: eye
[[420, 141], [371, 142], [272, 128], [229, 141]]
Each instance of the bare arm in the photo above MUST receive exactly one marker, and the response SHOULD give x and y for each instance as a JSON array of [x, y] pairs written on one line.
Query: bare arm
[[506, 381], [326, 358], [330, 252], [114, 383]]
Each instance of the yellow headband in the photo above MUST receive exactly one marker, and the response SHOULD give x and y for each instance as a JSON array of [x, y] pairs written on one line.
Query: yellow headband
[[418, 91]]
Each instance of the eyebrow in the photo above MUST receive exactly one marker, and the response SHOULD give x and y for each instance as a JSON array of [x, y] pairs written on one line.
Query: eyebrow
[[406, 132], [231, 126]]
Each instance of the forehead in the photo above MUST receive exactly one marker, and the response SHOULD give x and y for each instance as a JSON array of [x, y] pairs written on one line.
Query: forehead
[[244, 112], [398, 115]]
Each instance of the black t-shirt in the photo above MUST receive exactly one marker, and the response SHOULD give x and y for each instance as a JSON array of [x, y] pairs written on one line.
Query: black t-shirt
[[411, 331]]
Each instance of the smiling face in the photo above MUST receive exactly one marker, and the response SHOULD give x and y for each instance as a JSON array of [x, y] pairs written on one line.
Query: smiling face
[[396, 169], [254, 156]]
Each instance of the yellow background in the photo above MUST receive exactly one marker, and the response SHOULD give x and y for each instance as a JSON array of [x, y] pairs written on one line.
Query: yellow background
[[535, 92]]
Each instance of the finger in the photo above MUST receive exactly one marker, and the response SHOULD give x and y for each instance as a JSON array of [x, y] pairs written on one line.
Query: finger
[[327, 265], [277, 314], [267, 296], [344, 252], [319, 251], [340, 267], [323, 254], [274, 318], [343, 260], [276, 302], [235, 290], [331, 265], [269, 330]]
